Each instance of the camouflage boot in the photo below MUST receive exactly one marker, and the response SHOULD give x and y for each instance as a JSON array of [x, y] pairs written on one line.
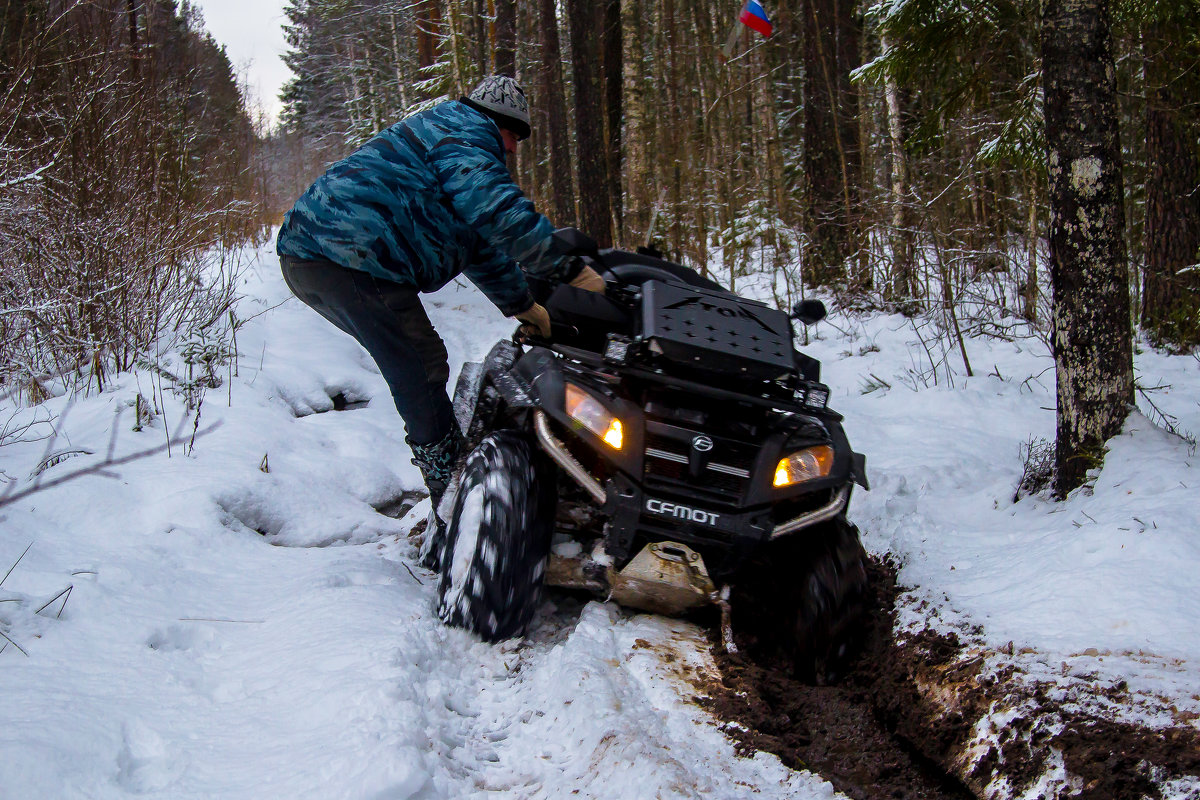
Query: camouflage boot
[[439, 464]]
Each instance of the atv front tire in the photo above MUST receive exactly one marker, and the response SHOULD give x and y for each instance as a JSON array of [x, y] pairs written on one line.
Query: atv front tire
[[803, 601], [497, 539]]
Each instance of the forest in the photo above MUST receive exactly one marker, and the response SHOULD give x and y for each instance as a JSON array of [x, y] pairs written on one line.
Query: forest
[[874, 148], [892, 154]]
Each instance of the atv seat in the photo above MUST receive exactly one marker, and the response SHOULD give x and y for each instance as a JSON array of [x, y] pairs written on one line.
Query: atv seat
[[635, 269], [593, 315]]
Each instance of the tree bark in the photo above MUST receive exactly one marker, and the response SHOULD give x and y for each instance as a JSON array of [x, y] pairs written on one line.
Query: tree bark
[[642, 198], [1171, 292], [848, 57], [903, 283], [592, 156], [506, 38], [556, 116], [1029, 291], [824, 159], [428, 28], [613, 85], [1093, 349]]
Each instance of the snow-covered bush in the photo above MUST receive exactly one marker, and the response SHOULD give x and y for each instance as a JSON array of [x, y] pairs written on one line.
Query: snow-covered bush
[[123, 168]]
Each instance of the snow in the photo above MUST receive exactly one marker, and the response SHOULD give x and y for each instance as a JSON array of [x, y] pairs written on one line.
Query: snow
[[1111, 569], [243, 621], [465, 545]]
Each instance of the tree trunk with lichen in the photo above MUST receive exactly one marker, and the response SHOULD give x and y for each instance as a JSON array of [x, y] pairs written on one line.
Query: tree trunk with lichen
[[1092, 334]]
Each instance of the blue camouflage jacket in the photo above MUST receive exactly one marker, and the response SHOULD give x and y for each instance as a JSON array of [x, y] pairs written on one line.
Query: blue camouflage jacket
[[423, 201]]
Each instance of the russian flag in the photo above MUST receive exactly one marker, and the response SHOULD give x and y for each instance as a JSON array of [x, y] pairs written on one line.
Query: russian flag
[[755, 18]]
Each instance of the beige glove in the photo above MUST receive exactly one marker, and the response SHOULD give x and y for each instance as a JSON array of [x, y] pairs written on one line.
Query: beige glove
[[537, 321], [588, 279]]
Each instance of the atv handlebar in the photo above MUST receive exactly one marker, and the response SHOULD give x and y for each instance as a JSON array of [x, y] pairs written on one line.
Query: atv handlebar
[[558, 330]]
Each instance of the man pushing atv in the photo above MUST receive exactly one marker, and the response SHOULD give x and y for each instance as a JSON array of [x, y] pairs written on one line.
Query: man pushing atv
[[420, 203], [650, 437]]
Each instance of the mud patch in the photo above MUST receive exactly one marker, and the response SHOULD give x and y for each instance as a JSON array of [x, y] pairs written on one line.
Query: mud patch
[[835, 731], [1118, 760], [933, 714]]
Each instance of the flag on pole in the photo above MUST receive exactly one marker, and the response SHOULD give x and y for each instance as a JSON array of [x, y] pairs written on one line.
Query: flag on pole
[[754, 17]]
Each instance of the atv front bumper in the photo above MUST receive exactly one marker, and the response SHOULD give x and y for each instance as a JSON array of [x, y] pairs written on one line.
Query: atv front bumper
[[633, 510]]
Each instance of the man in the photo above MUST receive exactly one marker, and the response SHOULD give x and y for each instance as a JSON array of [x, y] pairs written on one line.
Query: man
[[423, 201]]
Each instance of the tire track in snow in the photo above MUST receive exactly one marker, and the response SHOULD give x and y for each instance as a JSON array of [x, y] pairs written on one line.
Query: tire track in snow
[[602, 707]]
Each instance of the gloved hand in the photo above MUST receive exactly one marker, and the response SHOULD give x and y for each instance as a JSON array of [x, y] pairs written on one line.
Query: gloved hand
[[537, 321], [588, 279]]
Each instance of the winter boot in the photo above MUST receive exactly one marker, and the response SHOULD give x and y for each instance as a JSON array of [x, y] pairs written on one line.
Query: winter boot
[[439, 465]]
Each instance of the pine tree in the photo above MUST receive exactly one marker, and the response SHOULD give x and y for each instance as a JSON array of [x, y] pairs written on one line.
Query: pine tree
[[552, 108], [1171, 296]]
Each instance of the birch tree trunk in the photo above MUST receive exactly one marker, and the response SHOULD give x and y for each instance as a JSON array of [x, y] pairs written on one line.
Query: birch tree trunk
[[1088, 270], [903, 278]]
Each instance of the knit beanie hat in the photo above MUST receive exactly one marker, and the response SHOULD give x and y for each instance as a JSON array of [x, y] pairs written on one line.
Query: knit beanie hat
[[502, 98]]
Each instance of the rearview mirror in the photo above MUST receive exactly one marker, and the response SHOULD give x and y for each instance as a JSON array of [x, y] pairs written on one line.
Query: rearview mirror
[[809, 311]]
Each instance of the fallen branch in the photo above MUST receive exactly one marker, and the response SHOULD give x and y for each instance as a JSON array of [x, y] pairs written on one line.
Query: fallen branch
[[14, 644], [67, 592], [14, 566]]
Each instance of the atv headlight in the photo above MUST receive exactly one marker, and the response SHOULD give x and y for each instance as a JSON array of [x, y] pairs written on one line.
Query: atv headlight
[[591, 414], [804, 465]]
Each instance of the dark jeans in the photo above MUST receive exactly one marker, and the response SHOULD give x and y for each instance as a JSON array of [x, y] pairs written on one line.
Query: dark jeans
[[389, 321]]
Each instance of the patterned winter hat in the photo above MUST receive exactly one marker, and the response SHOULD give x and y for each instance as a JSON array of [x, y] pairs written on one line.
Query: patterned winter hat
[[502, 99]]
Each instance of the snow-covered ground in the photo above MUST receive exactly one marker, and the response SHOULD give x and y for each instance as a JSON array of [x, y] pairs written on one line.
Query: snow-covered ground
[[243, 621]]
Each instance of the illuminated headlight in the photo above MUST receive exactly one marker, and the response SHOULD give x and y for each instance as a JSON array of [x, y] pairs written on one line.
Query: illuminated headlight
[[818, 397], [591, 414], [804, 465]]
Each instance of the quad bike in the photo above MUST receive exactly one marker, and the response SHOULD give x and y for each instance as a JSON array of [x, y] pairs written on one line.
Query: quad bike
[[668, 449]]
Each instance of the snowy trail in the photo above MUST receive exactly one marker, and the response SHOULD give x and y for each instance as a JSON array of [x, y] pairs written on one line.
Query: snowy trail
[[244, 622]]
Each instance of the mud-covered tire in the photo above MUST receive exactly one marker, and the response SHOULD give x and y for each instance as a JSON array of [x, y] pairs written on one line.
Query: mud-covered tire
[[497, 539], [803, 601]]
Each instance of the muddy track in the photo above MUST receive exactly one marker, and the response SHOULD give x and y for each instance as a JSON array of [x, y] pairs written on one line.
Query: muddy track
[[903, 724], [837, 731]]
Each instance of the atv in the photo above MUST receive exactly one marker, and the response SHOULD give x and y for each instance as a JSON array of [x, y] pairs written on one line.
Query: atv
[[667, 448]]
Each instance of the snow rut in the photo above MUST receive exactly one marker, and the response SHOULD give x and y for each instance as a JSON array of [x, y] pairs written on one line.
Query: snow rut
[[601, 708]]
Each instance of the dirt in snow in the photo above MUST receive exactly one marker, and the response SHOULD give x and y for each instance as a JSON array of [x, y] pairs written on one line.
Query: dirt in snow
[[901, 723]]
